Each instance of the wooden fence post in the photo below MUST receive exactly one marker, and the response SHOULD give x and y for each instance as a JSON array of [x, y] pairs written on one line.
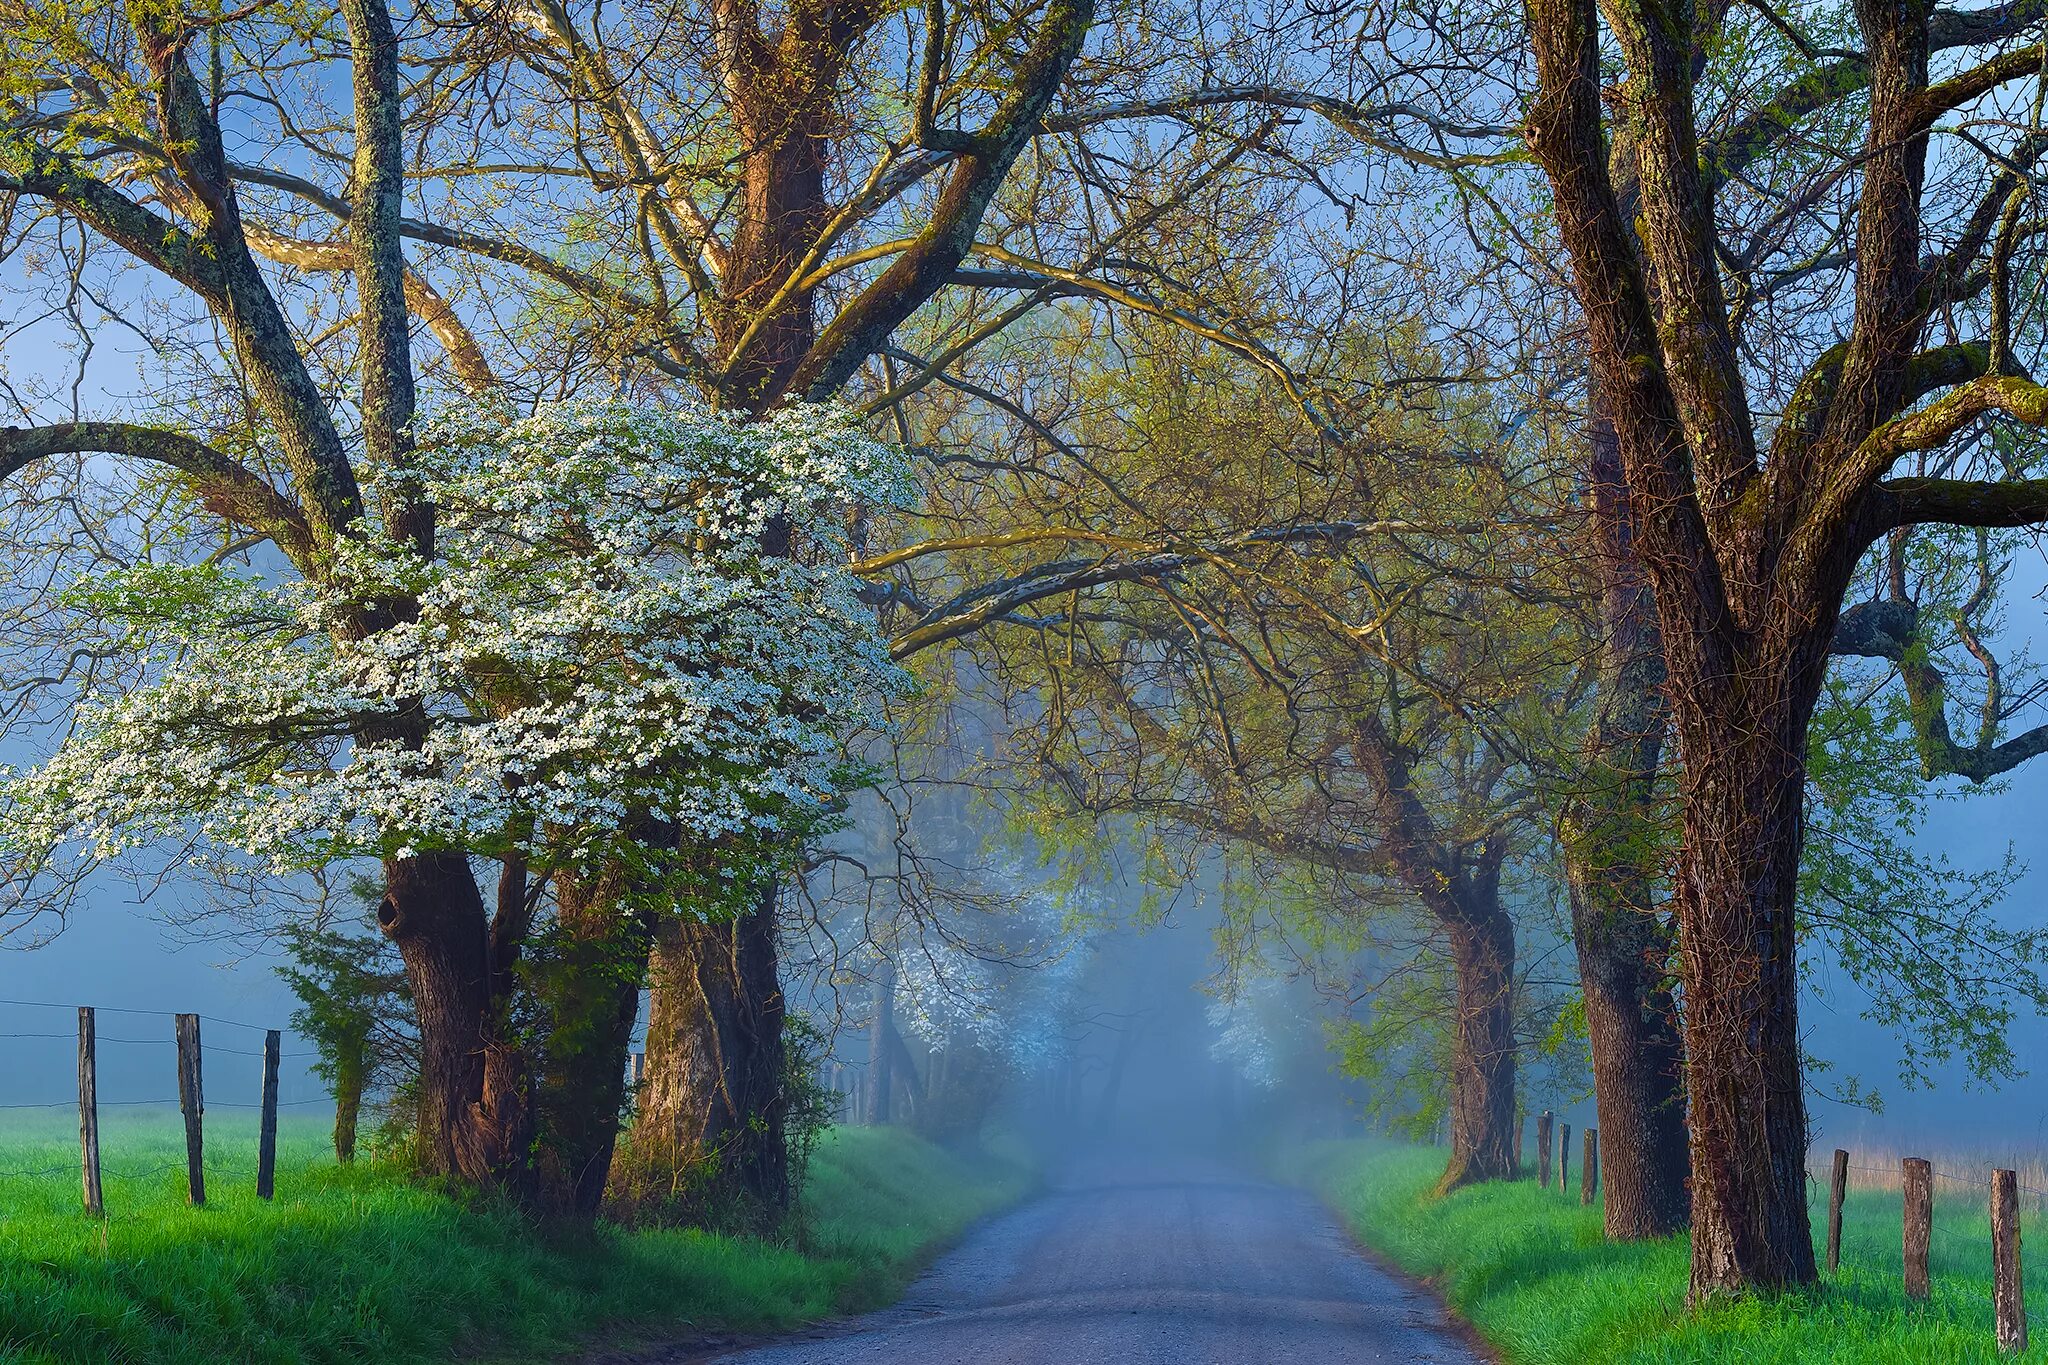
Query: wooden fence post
[[266, 1142], [2006, 1287], [1919, 1177], [1838, 1190], [1564, 1158], [192, 1103], [1521, 1122], [1543, 1123], [1589, 1167], [89, 1111]]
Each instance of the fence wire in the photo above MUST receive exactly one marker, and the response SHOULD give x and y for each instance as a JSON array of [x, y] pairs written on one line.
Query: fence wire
[[124, 1009], [127, 1173]]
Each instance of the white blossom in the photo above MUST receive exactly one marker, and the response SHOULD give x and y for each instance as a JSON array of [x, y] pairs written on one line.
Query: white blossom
[[603, 643], [1255, 1027], [1014, 998]]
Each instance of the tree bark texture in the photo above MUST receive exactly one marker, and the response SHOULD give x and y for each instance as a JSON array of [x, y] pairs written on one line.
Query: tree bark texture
[[714, 1100], [1609, 830], [1483, 1069], [475, 1097], [589, 993], [1738, 883]]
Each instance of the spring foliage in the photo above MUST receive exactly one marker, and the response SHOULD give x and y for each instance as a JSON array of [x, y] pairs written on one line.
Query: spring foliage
[[637, 633]]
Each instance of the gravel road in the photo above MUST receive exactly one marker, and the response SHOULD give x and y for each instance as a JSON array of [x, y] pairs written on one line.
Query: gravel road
[[1142, 1263]]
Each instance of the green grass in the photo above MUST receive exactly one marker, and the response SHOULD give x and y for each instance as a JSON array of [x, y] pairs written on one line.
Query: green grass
[[1530, 1269], [358, 1264]]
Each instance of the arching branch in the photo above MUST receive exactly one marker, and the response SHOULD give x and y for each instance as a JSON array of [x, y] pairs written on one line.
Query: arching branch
[[226, 486]]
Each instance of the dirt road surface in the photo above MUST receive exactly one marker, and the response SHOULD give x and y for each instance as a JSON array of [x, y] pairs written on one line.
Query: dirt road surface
[[1147, 1263]]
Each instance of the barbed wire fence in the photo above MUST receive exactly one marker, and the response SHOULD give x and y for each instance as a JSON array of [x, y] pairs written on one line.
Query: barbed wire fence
[[2005, 1195], [184, 1073], [1962, 1249]]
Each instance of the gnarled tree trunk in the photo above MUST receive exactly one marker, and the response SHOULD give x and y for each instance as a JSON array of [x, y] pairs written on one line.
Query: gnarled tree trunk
[[1482, 944], [714, 1100], [1738, 882], [475, 1110]]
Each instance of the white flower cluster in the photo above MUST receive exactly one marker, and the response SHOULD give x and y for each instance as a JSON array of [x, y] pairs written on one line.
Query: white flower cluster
[[1016, 998], [637, 630], [1255, 1028]]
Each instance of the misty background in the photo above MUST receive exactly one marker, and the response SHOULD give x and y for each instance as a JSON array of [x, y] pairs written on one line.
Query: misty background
[[121, 951]]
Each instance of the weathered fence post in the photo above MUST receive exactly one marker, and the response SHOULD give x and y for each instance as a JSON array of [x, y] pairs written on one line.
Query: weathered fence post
[[192, 1104], [1521, 1122], [2006, 1297], [1589, 1167], [266, 1142], [1919, 1177], [1838, 1190], [1564, 1157], [89, 1111], [1543, 1123]]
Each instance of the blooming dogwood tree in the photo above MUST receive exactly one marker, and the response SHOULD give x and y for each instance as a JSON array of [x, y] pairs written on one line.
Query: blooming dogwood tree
[[1011, 987], [635, 641]]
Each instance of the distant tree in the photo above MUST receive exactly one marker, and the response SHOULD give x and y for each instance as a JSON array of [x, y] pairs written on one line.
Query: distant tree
[[1362, 694], [355, 1006]]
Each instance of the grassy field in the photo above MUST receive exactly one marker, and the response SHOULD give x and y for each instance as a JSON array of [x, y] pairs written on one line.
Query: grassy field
[[1530, 1270], [352, 1265]]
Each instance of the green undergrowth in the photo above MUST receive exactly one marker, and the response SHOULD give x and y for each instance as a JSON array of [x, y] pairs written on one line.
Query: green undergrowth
[[1531, 1271], [354, 1264]]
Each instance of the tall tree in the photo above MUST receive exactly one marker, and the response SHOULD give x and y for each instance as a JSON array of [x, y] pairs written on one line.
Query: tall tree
[[1750, 532], [160, 118], [1611, 830]]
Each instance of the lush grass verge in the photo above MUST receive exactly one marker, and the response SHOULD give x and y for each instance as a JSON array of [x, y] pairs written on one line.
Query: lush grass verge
[[351, 1265], [1530, 1269]]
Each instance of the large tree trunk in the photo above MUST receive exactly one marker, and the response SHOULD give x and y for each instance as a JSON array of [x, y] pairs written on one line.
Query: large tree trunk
[[1483, 1064], [1609, 830], [475, 1111], [1459, 885], [1638, 1062], [1736, 894], [714, 1101], [589, 994], [785, 95]]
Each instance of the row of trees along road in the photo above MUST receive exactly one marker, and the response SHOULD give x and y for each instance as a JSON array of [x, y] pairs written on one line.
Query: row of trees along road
[[1352, 635], [731, 204]]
